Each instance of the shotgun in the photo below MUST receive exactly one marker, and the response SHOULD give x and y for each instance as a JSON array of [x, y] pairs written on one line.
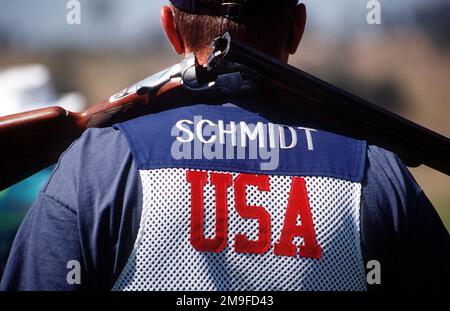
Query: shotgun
[[34, 140], [335, 109]]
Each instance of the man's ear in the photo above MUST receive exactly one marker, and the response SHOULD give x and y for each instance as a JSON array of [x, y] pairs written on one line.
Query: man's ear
[[170, 28], [298, 28]]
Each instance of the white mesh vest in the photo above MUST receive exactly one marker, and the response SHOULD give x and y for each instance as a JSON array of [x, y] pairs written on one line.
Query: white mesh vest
[[227, 225], [164, 259]]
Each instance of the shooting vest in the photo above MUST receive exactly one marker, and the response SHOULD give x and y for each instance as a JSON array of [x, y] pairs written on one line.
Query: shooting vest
[[232, 201]]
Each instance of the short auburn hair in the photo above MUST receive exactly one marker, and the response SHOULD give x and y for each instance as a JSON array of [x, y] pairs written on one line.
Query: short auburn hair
[[271, 33]]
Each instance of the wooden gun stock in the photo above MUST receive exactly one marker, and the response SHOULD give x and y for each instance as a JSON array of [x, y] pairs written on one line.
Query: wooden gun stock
[[33, 140]]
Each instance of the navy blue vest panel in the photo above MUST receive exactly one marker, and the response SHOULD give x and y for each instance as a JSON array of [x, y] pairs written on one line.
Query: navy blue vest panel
[[174, 138]]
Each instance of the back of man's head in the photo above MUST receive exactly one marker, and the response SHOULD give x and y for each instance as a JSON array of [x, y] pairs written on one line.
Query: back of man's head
[[274, 27]]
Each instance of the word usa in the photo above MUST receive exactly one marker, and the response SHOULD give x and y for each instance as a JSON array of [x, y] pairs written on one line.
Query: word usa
[[298, 205]]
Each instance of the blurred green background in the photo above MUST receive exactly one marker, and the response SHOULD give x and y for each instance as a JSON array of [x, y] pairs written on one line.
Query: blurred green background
[[403, 64]]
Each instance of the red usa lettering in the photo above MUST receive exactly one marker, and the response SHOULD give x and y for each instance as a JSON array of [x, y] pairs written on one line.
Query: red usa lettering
[[298, 205]]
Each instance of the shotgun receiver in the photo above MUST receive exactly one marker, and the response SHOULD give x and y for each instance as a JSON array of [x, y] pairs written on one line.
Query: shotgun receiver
[[33, 140]]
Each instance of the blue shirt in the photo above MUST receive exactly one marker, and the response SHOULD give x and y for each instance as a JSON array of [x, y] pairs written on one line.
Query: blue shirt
[[90, 210]]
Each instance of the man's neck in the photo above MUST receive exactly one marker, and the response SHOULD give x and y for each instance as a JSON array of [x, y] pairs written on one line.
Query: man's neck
[[203, 55]]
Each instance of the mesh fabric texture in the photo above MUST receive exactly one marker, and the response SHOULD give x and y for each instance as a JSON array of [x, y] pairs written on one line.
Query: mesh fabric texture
[[164, 259]]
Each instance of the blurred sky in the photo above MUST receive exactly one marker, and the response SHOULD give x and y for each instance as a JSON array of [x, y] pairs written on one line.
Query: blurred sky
[[113, 23]]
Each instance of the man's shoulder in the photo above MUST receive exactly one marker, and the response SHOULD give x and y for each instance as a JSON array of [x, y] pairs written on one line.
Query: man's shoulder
[[96, 146], [92, 161], [386, 169], [390, 193]]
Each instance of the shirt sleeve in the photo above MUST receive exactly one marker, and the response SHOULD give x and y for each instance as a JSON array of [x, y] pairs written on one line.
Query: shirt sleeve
[[45, 243], [88, 213], [400, 228]]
